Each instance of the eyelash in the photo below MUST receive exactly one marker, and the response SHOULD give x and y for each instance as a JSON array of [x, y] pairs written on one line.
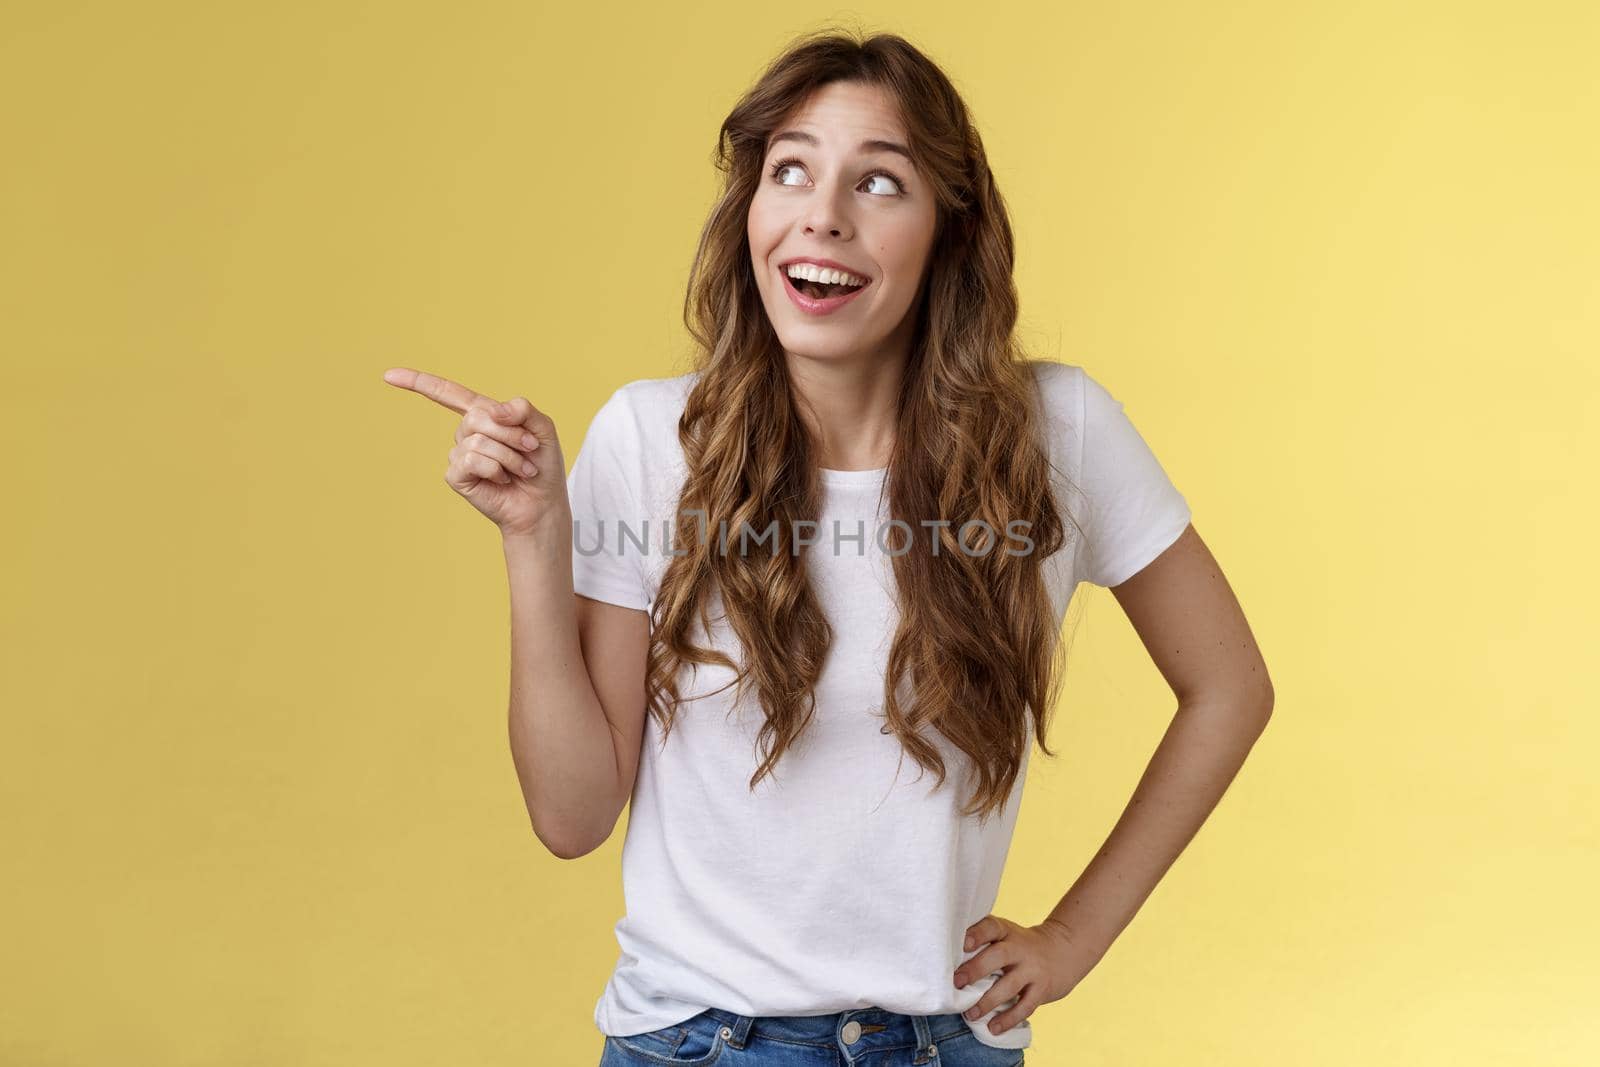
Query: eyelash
[[791, 161]]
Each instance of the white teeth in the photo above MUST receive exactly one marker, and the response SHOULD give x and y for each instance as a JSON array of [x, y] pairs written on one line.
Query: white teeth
[[811, 272]]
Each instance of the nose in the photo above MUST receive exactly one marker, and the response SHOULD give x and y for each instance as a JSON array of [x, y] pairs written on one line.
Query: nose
[[824, 214], [822, 222]]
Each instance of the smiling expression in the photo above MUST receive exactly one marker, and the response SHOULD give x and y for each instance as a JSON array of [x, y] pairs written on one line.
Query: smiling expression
[[837, 189]]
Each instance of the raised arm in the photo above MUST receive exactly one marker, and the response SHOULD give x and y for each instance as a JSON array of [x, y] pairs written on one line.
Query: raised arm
[[577, 667]]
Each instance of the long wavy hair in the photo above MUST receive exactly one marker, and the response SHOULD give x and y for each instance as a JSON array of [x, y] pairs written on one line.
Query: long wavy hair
[[977, 642]]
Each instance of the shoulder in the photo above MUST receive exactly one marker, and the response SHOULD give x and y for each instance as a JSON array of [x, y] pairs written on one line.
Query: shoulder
[[1087, 428], [645, 410], [636, 432], [1060, 393], [650, 394], [1074, 400], [645, 398], [1060, 387]]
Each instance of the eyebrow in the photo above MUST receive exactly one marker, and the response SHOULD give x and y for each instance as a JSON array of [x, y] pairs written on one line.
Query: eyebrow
[[869, 145]]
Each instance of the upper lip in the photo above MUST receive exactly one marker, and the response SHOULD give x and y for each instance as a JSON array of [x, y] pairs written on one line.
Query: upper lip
[[832, 264]]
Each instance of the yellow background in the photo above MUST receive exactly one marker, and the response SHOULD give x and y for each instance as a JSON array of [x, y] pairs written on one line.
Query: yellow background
[[1339, 261]]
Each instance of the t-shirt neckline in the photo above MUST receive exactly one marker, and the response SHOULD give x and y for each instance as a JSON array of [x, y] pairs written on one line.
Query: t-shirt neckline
[[836, 477]]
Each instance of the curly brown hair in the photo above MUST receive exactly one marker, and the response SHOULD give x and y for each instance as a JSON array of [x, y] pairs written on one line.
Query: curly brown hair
[[977, 638]]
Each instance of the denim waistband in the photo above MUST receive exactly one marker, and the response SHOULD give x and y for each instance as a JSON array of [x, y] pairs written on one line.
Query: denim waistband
[[874, 1029]]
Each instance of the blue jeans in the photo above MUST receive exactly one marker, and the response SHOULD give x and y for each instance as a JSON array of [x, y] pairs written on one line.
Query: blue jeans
[[865, 1037]]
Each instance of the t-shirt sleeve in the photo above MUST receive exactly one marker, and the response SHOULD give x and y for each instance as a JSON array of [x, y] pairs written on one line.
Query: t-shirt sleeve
[[1134, 511], [607, 525]]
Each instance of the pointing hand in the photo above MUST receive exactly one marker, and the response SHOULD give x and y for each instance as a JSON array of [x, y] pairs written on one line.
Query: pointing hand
[[507, 458]]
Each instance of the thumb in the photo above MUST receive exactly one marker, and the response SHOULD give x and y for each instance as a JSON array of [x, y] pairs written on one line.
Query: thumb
[[517, 411]]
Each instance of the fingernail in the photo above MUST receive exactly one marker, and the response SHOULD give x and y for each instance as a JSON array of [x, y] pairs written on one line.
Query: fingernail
[[529, 441], [967, 944], [527, 468]]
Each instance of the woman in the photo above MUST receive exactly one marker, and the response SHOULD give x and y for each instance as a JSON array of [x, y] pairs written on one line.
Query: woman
[[862, 480]]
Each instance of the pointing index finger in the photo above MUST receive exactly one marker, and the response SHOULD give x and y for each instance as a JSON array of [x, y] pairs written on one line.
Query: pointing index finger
[[456, 397]]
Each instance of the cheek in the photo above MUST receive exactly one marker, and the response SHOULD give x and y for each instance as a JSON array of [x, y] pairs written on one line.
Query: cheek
[[903, 248], [762, 237], [763, 220]]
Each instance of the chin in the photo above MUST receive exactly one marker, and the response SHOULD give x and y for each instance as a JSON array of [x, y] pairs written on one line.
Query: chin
[[813, 344]]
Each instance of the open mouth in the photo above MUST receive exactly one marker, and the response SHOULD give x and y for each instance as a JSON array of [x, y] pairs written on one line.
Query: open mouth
[[821, 290], [819, 298]]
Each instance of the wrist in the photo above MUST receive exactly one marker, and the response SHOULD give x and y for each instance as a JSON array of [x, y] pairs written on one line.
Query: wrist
[[549, 532], [1079, 928]]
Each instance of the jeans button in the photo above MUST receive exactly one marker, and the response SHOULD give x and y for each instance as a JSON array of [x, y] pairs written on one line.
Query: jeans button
[[852, 1032]]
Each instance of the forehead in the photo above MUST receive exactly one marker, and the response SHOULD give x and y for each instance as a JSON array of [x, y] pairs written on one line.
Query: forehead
[[842, 114]]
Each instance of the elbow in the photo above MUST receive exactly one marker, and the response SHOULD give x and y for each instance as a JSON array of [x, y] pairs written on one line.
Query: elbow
[[1248, 706], [564, 848], [561, 852], [1257, 692], [1240, 703], [1264, 705], [574, 844]]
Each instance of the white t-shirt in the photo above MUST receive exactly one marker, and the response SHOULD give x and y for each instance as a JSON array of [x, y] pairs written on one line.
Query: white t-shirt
[[843, 880]]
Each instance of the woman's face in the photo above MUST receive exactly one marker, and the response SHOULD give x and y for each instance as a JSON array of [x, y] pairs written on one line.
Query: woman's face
[[838, 197]]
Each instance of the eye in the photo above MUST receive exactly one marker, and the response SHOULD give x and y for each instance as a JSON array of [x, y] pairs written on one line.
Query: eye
[[900, 187], [879, 172], [780, 166]]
